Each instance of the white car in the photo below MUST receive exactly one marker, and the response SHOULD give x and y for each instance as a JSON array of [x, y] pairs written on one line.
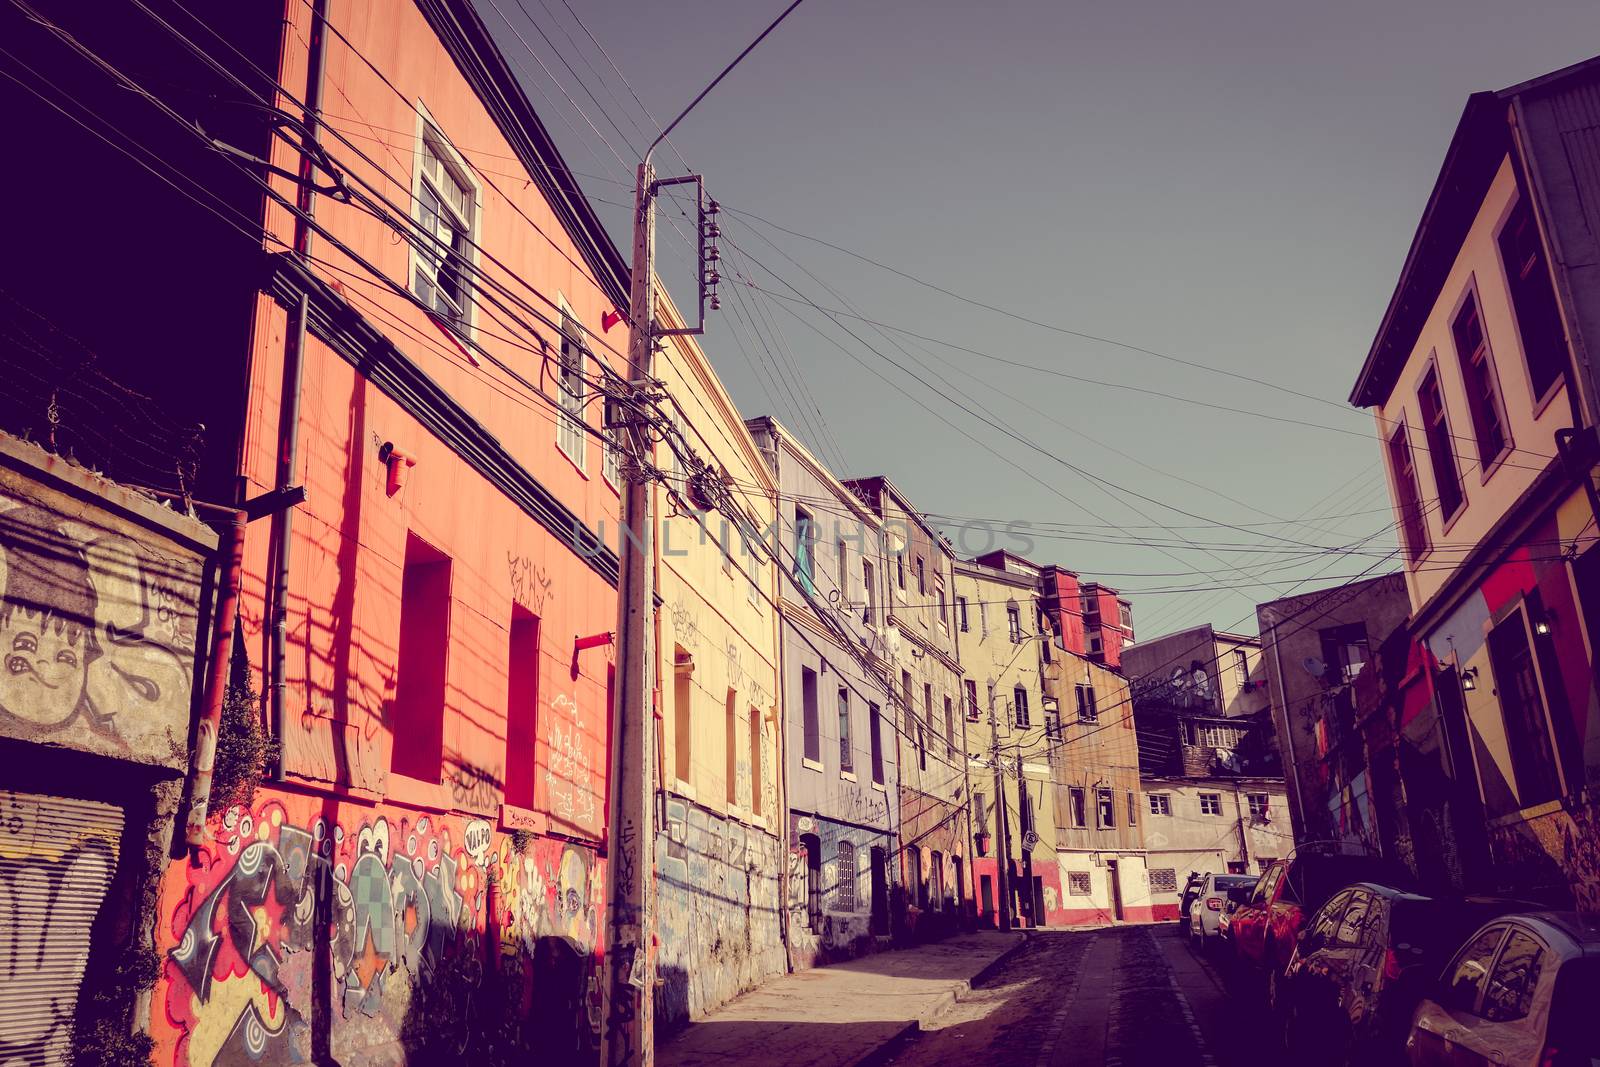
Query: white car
[[1210, 903], [1522, 991]]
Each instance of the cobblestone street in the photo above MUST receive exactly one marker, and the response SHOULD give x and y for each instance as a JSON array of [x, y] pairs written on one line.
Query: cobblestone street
[[1131, 996]]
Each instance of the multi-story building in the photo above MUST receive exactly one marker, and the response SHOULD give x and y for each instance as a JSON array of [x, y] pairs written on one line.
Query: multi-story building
[[720, 862], [1201, 668], [925, 674], [1314, 646], [841, 759], [1011, 726], [423, 874], [1482, 384], [1197, 824]]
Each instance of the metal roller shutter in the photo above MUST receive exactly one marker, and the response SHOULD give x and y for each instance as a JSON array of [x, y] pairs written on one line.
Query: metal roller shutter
[[57, 858]]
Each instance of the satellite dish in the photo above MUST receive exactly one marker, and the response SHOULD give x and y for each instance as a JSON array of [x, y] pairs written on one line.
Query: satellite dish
[[1314, 666]]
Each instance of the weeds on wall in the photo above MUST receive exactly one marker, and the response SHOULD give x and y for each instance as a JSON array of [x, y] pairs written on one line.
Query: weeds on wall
[[245, 752], [101, 1036]]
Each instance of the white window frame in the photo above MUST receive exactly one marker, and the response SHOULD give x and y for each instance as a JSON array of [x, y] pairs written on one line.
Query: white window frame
[[611, 444], [1160, 803], [429, 132], [1213, 800], [572, 428]]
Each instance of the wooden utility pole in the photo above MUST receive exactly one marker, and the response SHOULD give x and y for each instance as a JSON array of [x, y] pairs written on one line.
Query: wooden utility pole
[[628, 1036], [1002, 834]]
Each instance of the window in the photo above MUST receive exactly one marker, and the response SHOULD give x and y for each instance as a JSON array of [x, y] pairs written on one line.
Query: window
[[1212, 736], [1509, 994], [922, 579], [752, 563], [1125, 614], [755, 761], [844, 894], [1441, 446], [805, 542], [682, 722], [961, 614], [1469, 971], [900, 570], [813, 846], [936, 876], [810, 717], [522, 706], [927, 705], [1534, 298], [1408, 500], [919, 878], [1160, 803], [990, 705], [1258, 805], [1078, 883], [846, 757], [869, 614], [419, 693], [1105, 803], [730, 733], [1014, 624], [1263, 862], [1344, 650], [611, 452], [446, 211], [572, 392], [1087, 712], [949, 726], [1353, 923], [905, 698], [1019, 707], [1241, 665], [1483, 386], [1522, 708], [1133, 811], [1164, 880], [1210, 803], [1076, 808], [922, 747], [875, 718], [842, 555], [971, 690], [944, 616]]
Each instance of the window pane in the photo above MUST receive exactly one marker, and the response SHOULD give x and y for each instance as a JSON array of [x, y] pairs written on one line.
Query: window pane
[[1516, 976], [1470, 969]]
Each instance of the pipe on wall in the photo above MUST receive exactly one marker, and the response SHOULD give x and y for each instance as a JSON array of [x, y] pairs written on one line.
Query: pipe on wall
[[230, 557]]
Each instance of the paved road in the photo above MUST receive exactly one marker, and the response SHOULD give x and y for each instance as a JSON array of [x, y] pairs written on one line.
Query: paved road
[[1132, 996]]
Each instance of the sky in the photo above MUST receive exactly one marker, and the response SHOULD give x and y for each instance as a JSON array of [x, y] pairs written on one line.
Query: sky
[[1231, 184]]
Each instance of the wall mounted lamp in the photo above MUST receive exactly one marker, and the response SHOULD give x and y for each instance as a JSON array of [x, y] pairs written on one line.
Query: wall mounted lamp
[[1543, 624], [1469, 679]]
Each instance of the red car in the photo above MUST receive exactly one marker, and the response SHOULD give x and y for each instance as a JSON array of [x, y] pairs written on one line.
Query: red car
[[1264, 930]]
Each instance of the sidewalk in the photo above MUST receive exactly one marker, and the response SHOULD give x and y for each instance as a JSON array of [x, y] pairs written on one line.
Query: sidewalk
[[843, 1015]]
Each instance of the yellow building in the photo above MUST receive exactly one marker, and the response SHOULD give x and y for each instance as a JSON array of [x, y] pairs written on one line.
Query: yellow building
[[719, 857]]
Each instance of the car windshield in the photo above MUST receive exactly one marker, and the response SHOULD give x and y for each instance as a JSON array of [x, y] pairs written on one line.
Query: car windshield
[[1572, 1028], [1435, 928], [1225, 882]]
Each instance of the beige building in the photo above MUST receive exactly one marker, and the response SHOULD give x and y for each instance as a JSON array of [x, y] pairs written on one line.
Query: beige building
[[720, 858], [1011, 727]]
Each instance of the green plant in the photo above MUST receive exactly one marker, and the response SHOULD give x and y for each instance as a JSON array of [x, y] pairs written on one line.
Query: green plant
[[101, 1036], [244, 749]]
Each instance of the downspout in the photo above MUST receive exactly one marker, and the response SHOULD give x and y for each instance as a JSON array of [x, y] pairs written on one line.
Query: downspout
[[786, 820], [230, 557], [293, 381]]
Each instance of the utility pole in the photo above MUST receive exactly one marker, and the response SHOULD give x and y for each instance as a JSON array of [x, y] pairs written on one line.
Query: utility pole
[[1002, 836]]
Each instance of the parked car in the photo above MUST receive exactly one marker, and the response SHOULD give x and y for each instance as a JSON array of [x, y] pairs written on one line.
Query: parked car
[[1237, 898], [1191, 889], [1264, 930], [1362, 963], [1211, 902], [1522, 991]]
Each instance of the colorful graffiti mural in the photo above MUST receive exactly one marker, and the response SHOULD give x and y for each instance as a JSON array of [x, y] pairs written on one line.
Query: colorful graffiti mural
[[388, 938]]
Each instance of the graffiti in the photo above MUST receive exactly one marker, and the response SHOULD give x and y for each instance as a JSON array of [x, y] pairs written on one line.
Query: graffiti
[[400, 906], [475, 788], [571, 767], [531, 583], [97, 636], [1184, 687], [44, 947]]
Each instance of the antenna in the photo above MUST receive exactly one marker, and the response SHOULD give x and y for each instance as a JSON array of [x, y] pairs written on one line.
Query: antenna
[[1314, 666]]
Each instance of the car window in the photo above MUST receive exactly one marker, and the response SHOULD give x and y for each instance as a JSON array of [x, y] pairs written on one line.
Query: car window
[[1516, 975], [1327, 920], [1354, 920], [1466, 974], [1268, 883]]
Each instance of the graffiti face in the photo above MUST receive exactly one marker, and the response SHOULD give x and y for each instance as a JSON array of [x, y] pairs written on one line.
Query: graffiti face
[[96, 635]]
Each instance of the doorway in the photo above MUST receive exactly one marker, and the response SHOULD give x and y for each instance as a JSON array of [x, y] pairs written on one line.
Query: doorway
[[986, 896], [1115, 885], [880, 893]]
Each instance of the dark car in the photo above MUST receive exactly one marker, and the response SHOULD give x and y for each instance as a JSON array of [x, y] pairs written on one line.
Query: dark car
[[1191, 889], [1265, 930], [1363, 962]]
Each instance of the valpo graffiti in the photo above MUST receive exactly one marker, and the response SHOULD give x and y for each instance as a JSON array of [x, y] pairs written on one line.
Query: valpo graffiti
[[97, 637], [386, 936]]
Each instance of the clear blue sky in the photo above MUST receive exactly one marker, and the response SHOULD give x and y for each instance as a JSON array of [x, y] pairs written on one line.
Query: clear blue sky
[[1232, 184]]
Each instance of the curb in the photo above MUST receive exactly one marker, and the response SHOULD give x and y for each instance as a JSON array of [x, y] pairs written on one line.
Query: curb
[[888, 1048]]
